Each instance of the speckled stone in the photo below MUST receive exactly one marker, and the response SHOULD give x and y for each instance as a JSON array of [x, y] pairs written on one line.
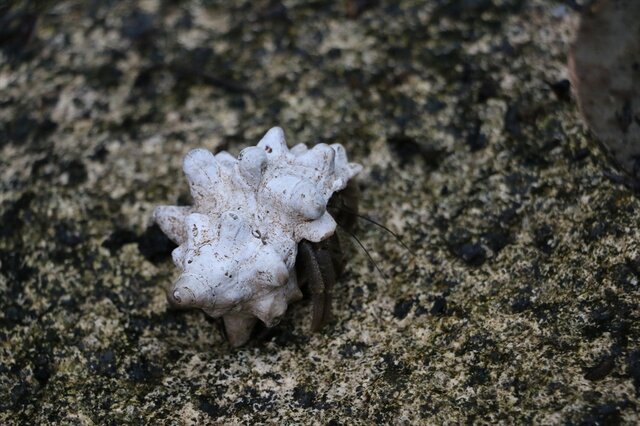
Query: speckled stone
[[517, 303]]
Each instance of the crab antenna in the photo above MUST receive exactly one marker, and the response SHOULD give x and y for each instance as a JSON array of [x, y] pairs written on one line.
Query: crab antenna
[[384, 276], [368, 219]]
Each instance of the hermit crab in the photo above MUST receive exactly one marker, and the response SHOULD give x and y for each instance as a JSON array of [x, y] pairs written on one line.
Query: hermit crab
[[259, 228]]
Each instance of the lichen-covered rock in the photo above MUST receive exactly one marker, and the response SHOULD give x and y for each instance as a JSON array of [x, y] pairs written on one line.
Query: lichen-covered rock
[[517, 304], [238, 242]]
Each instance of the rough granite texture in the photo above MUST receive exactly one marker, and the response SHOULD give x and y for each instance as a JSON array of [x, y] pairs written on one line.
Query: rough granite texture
[[517, 303]]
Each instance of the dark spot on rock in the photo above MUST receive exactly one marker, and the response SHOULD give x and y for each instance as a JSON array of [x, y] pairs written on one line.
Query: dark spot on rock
[[633, 369], [237, 102], [104, 76], [512, 121], [466, 10], [185, 21], [509, 215], [334, 53], [488, 89], [378, 176], [16, 30], [580, 154], [521, 304], [251, 400], [396, 372], [45, 128], [478, 376], [472, 254], [439, 306], [39, 165], [200, 58], [104, 363], [19, 394], [14, 315], [628, 274], [67, 235], [476, 140], [136, 326], [208, 407], [13, 218], [143, 81], [42, 369], [138, 25], [543, 238], [351, 349], [141, 370], [77, 172], [118, 238], [275, 11], [612, 315], [605, 414], [546, 311], [496, 357], [408, 149], [23, 129], [356, 299], [479, 342], [154, 245], [305, 398], [420, 310], [595, 229], [402, 308], [562, 89], [282, 336], [434, 105], [600, 318], [460, 244], [519, 183], [601, 369], [100, 154], [13, 266], [497, 239]]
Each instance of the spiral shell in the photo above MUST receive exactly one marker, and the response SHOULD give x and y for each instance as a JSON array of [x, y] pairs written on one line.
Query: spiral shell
[[237, 244]]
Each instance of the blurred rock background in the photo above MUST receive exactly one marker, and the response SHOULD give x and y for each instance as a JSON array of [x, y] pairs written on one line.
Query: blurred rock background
[[518, 302]]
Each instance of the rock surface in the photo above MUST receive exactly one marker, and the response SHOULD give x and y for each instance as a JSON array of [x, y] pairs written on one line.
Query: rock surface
[[518, 302]]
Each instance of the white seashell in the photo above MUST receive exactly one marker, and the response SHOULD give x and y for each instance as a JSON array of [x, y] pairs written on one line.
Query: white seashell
[[237, 244]]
